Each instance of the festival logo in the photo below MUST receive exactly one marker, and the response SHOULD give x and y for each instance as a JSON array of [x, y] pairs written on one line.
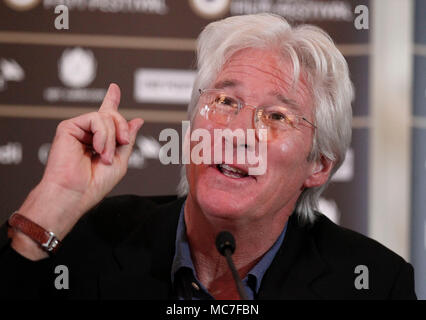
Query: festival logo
[[163, 85], [77, 67], [210, 9], [11, 153], [21, 5], [10, 70]]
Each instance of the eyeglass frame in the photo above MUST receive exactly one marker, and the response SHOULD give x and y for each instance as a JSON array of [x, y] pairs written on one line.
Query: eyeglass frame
[[242, 104]]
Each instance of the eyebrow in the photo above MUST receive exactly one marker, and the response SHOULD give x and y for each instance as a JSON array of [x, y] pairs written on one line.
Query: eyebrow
[[287, 101], [231, 83], [227, 84]]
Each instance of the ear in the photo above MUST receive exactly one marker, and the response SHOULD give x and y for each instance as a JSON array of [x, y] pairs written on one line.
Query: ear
[[321, 170]]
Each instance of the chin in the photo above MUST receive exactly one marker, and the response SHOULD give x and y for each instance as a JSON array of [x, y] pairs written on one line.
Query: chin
[[223, 205]]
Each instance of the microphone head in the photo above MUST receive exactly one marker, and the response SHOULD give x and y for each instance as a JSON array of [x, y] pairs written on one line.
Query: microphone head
[[225, 240]]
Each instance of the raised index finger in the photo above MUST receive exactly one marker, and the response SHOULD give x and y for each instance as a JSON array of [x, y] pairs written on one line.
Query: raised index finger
[[112, 99]]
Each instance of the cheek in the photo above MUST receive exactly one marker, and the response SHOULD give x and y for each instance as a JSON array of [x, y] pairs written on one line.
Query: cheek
[[288, 149], [297, 146], [193, 170], [290, 153], [284, 148], [200, 122]]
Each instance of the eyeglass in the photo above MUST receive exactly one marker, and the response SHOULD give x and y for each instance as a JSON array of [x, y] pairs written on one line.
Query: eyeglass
[[222, 108]]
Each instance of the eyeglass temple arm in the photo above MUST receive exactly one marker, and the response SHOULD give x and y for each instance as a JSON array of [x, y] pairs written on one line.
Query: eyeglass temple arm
[[303, 118]]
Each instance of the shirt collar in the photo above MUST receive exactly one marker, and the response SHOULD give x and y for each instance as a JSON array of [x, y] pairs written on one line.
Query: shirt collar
[[182, 258], [259, 270]]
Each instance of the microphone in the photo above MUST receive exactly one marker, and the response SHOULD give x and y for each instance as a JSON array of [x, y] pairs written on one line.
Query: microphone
[[225, 244]]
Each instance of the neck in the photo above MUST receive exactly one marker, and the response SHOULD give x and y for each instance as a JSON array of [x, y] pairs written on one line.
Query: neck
[[211, 268]]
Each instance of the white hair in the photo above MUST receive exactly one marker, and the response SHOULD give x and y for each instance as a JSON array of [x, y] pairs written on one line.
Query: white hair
[[312, 52]]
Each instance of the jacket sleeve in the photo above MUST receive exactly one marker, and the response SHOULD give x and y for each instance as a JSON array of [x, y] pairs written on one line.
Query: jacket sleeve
[[403, 288], [20, 277], [87, 252]]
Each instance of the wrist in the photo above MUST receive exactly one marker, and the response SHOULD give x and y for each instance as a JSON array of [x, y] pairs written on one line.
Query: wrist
[[47, 240], [52, 207], [27, 247]]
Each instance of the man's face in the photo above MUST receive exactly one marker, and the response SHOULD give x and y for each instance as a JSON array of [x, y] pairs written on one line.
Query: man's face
[[260, 78]]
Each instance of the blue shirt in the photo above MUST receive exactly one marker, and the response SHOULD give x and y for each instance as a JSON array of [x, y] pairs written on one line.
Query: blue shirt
[[184, 278]]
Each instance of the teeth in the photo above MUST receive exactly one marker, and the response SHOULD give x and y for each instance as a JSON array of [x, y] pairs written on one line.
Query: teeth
[[229, 168], [231, 172], [232, 175]]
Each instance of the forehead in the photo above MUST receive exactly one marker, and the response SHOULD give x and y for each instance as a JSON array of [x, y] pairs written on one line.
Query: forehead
[[262, 72]]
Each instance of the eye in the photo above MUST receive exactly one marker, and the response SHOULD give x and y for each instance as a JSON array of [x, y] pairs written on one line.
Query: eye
[[223, 100], [279, 115]]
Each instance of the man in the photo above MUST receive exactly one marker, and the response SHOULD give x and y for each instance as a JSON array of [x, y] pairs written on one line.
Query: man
[[290, 85]]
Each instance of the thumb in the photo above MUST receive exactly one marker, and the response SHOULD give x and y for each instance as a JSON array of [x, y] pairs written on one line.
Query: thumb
[[125, 150]]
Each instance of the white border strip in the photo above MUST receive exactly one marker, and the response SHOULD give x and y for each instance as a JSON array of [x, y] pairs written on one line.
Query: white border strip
[[390, 163]]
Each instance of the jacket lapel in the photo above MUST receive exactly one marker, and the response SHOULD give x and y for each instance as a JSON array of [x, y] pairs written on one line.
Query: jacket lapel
[[144, 260], [295, 267]]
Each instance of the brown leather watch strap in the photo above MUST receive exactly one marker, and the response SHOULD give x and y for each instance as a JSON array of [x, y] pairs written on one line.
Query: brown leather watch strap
[[46, 239]]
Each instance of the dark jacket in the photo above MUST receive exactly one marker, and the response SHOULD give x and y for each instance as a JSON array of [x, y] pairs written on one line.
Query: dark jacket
[[124, 248]]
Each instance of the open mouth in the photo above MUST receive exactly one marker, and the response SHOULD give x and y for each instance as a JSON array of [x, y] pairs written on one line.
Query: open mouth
[[231, 172]]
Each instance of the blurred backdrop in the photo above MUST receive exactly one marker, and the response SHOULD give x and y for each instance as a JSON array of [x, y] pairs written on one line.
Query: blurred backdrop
[[56, 62]]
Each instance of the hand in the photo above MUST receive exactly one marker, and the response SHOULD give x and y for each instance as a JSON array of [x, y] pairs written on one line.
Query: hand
[[90, 153], [88, 157]]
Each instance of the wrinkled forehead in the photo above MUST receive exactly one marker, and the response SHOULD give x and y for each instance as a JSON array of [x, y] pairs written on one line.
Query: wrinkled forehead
[[266, 72]]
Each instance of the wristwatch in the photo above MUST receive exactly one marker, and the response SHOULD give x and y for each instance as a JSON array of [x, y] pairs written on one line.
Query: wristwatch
[[47, 240]]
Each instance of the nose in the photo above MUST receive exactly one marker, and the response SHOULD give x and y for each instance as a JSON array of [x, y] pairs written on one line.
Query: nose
[[244, 121]]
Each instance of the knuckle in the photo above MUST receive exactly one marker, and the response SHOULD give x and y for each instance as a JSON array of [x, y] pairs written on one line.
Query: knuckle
[[97, 123], [103, 121], [118, 115], [106, 116], [119, 119], [94, 116], [101, 115], [62, 126]]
